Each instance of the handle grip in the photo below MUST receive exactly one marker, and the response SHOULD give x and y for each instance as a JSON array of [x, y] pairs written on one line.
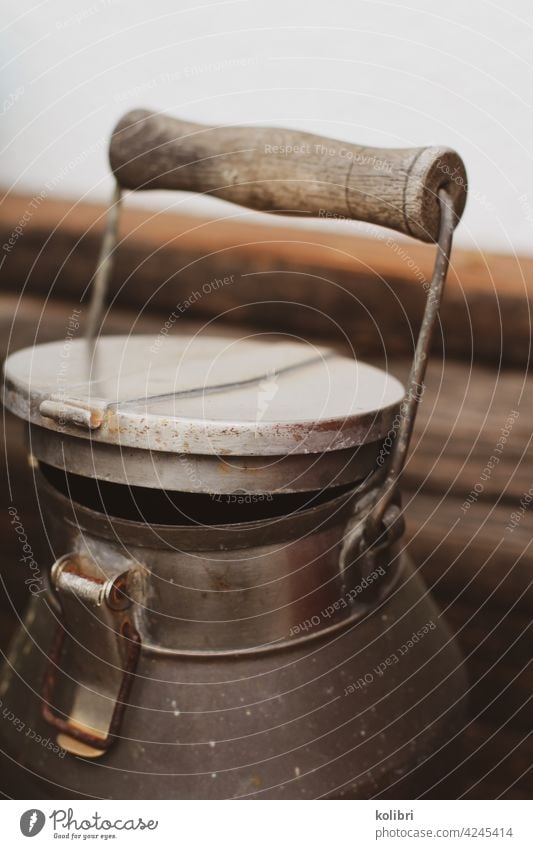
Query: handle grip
[[289, 172]]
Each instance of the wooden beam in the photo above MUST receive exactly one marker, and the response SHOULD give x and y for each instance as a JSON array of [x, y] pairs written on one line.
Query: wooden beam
[[319, 283], [473, 556]]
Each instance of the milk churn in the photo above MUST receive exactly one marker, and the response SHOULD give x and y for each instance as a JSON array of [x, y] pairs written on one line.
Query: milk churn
[[231, 612]]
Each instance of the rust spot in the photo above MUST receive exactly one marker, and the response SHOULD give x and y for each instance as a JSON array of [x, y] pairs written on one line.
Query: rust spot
[[76, 567], [218, 582]]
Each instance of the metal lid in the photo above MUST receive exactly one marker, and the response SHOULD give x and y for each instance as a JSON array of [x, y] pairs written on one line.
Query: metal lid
[[209, 395]]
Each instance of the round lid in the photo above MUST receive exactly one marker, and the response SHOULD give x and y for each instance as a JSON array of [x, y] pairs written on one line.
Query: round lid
[[213, 395]]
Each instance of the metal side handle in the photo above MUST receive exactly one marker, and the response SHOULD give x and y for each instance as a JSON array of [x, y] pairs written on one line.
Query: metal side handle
[[94, 654]]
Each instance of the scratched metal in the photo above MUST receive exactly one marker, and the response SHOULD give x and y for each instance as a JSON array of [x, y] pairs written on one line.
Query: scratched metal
[[204, 395]]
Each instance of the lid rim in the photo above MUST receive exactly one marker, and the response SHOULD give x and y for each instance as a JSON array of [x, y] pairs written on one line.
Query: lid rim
[[347, 397]]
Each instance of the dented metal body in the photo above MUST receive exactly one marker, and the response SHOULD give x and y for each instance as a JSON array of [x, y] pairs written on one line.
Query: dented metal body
[[231, 611], [261, 670], [216, 622]]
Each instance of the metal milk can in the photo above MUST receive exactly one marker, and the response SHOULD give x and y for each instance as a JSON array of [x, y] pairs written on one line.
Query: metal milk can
[[231, 611]]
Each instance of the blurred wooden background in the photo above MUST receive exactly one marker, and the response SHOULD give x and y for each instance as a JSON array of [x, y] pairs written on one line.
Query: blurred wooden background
[[342, 289]]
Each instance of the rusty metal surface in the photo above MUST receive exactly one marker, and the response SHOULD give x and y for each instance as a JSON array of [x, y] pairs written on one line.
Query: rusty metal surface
[[288, 724], [232, 588], [415, 386], [263, 670], [204, 395], [95, 650], [236, 476]]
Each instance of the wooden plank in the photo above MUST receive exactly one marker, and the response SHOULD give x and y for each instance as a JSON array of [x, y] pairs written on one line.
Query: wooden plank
[[473, 434], [328, 284], [472, 556], [494, 762], [498, 655]]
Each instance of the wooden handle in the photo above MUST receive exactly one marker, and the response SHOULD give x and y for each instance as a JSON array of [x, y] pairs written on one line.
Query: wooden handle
[[285, 171]]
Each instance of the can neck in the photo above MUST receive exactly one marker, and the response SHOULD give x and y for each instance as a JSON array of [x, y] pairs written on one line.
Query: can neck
[[238, 588]]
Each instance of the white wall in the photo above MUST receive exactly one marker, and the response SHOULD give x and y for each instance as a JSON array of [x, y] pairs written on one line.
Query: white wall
[[387, 73]]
